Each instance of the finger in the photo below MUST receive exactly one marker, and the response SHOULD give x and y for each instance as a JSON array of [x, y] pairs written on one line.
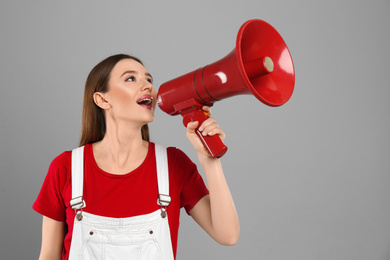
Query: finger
[[217, 132], [211, 129], [191, 126], [206, 123]]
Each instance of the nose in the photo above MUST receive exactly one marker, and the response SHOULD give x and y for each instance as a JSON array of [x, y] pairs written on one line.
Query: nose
[[147, 86]]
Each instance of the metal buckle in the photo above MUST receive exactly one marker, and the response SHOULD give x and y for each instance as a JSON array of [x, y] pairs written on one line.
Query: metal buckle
[[163, 200], [163, 212], [79, 215], [76, 202]]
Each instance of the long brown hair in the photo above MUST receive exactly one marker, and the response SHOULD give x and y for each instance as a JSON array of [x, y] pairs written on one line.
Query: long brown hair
[[93, 126]]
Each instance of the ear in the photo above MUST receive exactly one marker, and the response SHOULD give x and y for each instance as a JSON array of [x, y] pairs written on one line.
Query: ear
[[100, 100]]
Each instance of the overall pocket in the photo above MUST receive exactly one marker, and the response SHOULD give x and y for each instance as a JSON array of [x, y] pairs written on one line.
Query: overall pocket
[[121, 246]]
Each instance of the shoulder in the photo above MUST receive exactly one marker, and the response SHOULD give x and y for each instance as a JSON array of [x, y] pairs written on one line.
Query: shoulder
[[61, 161], [177, 156], [178, 160], [64, 160], [180, 165], [60, 167], [173, 151]]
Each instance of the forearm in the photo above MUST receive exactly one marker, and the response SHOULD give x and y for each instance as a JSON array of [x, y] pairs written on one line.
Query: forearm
[[53, 233], [49, 257], [224, 218]]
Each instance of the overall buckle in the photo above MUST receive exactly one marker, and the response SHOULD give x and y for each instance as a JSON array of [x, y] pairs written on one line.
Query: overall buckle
[[163, 201], [78, 204]]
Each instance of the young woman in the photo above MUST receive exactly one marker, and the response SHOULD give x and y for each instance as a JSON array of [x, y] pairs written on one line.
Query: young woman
[[120, 209]]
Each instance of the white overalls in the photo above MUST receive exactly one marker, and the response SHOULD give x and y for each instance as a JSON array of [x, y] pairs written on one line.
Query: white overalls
[[140, 237]]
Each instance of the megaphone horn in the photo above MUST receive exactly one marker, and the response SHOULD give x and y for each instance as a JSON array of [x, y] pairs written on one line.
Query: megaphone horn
[[260, 65]]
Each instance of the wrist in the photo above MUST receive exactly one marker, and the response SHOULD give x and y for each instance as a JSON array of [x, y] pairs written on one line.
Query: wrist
[[206, 159]]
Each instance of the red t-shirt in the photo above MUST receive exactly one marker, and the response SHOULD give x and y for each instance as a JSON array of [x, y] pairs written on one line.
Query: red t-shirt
[[120, 196]]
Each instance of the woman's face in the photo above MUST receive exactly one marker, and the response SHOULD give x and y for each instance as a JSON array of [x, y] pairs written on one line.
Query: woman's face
[[130, 94]]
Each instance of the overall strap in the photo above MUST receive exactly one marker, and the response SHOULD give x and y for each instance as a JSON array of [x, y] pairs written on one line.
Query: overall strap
[[77, 201], [162, 177]]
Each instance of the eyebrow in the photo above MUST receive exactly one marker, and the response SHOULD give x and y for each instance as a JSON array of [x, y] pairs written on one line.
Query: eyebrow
[[136, 72]]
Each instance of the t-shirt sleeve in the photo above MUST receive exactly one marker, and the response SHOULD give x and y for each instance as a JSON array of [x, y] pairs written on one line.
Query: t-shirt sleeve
[[194, 187], [50, 201]]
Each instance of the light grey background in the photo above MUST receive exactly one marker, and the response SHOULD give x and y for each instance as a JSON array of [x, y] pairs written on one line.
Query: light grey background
[[310, 179]]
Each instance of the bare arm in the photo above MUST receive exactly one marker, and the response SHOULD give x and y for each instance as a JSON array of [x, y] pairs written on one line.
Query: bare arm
[[215, 213], [53, 233]]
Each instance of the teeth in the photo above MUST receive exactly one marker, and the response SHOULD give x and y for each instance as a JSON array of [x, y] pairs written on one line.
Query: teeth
[[145, 101]]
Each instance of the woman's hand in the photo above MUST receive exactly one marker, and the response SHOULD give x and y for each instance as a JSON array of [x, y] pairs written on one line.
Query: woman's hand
[[209, 127]]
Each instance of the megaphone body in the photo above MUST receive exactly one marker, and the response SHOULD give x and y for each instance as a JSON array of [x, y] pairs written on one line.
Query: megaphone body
[[260, 65]]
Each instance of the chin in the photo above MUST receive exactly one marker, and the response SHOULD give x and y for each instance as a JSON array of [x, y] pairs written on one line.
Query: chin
[[149, 120]]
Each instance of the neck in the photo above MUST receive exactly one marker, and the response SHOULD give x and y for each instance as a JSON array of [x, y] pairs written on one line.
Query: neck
[[122, 148], [122, 136]]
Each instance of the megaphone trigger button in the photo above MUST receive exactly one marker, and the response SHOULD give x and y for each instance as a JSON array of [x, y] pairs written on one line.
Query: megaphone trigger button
[[205, 113]]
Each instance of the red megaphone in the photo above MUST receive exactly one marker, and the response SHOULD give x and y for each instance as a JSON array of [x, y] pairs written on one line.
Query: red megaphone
[[260, 65]]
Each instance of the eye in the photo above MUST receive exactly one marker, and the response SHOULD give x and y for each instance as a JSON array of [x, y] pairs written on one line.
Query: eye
[[129, 79], [150, 80]]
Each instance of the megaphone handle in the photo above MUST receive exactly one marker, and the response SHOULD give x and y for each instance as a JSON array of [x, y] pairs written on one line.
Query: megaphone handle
[[213, 144]]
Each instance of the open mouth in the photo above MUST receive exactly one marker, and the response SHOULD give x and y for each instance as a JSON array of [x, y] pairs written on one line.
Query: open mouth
[[145, 101]]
